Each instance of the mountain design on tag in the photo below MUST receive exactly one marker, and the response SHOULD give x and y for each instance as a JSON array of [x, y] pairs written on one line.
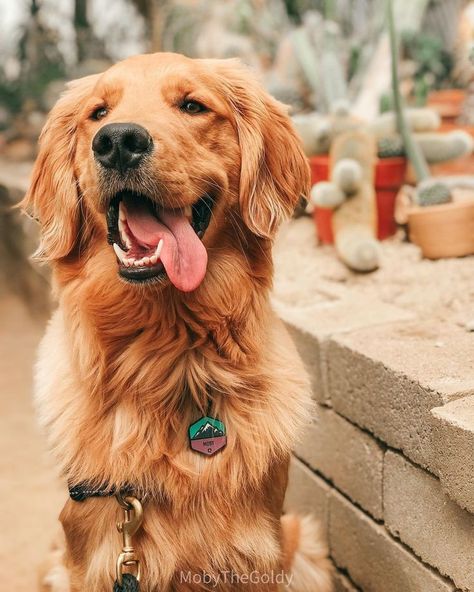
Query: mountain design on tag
[[207, 435], [208, 431]]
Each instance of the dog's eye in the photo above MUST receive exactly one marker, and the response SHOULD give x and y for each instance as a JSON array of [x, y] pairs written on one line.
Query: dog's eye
[[99, 113], [193, 107]]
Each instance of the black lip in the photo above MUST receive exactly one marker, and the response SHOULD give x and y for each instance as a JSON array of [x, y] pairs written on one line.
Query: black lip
[[201, 217], [142, 274]]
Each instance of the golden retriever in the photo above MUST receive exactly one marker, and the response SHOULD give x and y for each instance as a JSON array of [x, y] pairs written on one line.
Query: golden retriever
[[159, 187]]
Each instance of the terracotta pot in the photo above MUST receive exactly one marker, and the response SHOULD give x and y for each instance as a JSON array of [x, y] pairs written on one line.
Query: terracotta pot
[[389, 176], [443, 231], [448, 103]]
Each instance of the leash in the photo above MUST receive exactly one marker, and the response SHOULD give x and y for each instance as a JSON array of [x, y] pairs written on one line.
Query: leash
[[206, 436], [133, 518], [131, 523], [129, 584]]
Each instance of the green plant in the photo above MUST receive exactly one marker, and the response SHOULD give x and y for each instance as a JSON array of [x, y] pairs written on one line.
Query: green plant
[[433, 63], [428, 195], [297, 8], [390, 147], [434, 195]]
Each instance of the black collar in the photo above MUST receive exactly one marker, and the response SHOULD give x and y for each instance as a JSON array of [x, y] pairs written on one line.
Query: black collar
[[79, 492]]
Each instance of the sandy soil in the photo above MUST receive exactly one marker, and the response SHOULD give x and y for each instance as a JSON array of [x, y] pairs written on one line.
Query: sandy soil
[[431, 290], [30, 492]]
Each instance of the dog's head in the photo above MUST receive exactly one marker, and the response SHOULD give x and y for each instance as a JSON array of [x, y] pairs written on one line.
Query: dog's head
[[163, 157]]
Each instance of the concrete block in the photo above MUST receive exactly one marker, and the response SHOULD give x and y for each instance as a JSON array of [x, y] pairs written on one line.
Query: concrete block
[[311, 324], [347, 456], [343, 584], [374, 561], [307, 493], [387, 379], [424, 518], [311, 350], [454, 446], [339, 313]]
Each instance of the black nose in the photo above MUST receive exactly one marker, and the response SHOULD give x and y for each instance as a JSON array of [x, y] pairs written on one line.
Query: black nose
[[121, 146]]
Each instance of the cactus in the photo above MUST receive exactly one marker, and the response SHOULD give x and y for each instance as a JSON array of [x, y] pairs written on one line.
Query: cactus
[[347, 174], [341, 108], [314, 131], [441, 147], [358, 248], [452, 181], [434, 195], [418, 120], [390, 147], [318, 131], [333, 77], [353, 156], [327, 195], [412, 149]]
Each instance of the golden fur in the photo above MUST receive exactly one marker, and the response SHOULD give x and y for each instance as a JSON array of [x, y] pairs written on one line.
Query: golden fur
[[123, 370]]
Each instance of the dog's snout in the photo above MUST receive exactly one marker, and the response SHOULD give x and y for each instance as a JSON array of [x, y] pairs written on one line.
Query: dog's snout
[[121, 146]]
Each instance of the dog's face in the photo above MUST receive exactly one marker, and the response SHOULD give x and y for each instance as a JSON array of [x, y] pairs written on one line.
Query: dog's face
[[161, 156]]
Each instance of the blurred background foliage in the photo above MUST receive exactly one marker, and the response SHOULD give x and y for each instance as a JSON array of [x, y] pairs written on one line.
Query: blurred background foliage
[[309, 52]]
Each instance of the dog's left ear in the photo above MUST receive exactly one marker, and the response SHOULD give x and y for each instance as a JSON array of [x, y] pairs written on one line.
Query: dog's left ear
[[53, 194], [274, 169]]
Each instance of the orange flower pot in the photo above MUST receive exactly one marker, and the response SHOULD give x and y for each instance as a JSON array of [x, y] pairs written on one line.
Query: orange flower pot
[[448, 103], [389, 176], [442, 231]]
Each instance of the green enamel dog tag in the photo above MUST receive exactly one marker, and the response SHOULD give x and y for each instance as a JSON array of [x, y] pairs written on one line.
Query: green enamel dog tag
[[207, 435]]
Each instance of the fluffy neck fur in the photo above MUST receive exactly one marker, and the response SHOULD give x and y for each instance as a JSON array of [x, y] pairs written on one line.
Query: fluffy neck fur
[[145, 362]]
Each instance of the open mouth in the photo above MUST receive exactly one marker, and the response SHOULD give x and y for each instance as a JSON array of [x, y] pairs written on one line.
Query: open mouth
[[152, 243]]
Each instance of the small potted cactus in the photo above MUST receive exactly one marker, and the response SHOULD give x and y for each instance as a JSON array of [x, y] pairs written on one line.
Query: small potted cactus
[[441, 216], [320, 132]]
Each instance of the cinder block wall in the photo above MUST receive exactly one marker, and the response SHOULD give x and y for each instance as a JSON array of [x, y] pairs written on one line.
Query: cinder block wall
[[388, 462], [19, 238]]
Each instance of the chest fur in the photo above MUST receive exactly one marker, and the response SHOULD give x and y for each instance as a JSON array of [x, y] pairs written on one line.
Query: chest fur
[[138, 432]]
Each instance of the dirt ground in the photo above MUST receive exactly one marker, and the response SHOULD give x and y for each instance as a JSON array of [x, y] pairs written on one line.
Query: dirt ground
[[31, 494]]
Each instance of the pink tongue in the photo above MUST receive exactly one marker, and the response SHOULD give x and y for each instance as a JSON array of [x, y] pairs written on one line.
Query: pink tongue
[[183, 255]]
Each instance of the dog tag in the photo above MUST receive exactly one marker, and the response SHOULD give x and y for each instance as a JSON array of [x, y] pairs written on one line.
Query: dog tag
[[207, 435]]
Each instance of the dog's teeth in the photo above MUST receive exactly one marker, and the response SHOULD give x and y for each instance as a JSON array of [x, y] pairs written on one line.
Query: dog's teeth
[[153, 259], [138, 262], [158, 249], [119, 252], [188, 211], [122, 228], [122, 217], [146, 260], [123, 234], [128, 262]]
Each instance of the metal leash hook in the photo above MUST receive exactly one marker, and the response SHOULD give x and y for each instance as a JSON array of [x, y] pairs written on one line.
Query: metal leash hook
[[133, 518]]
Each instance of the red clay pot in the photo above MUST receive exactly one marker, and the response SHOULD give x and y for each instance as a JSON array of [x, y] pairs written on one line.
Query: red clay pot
[[389, 176]]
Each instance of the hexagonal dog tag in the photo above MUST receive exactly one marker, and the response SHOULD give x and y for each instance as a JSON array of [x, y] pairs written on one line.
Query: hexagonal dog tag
[[207, 435]]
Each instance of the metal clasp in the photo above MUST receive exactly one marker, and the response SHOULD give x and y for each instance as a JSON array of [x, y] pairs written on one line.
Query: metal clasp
[[133, 518]]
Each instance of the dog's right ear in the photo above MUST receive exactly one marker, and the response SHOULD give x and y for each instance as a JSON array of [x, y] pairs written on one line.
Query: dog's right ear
[[53, 196]]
